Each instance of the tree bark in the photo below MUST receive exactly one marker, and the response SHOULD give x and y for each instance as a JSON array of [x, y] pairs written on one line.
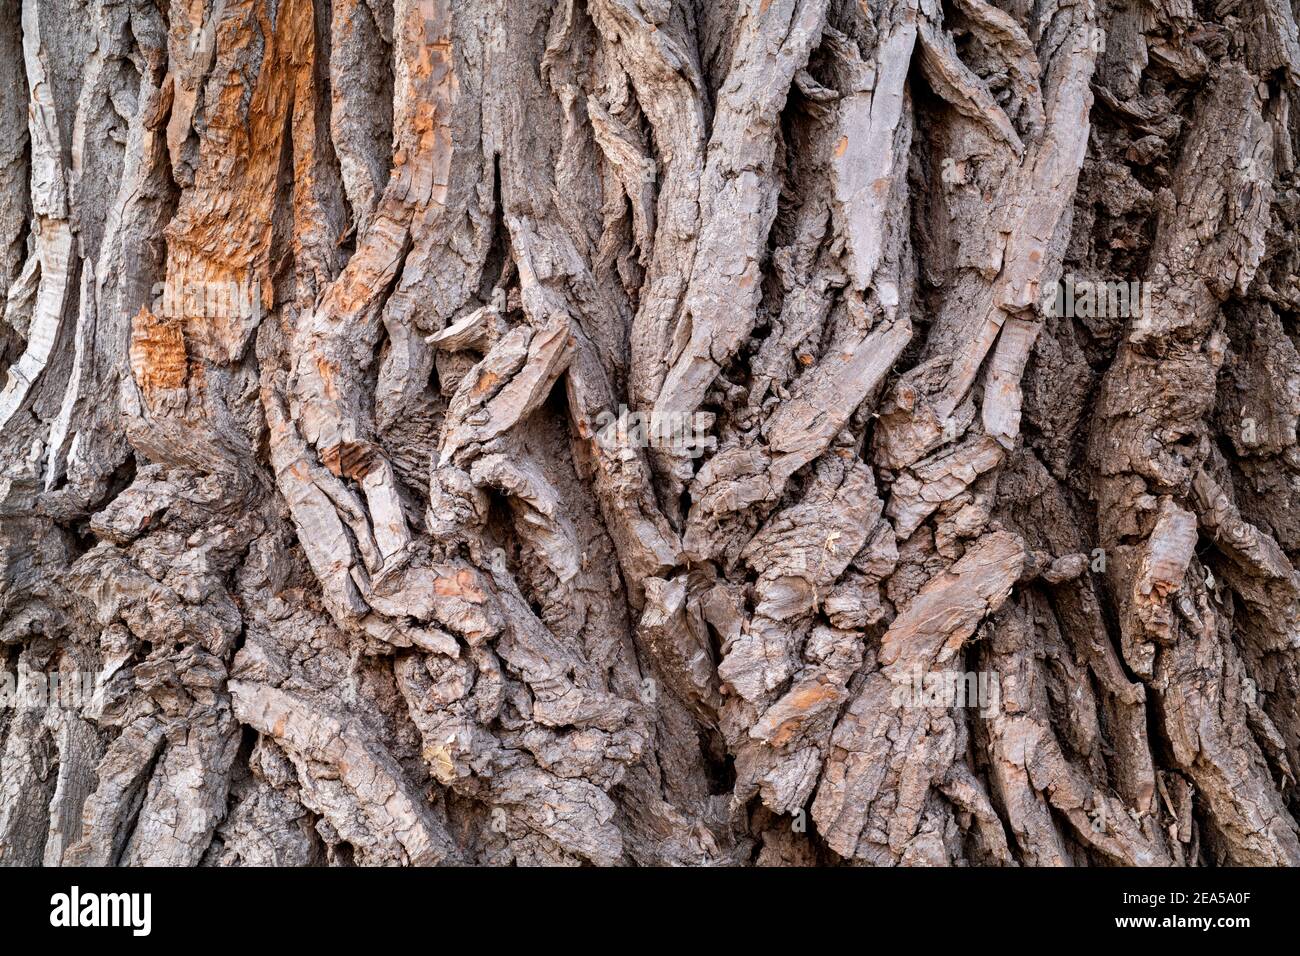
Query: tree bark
[[775, 432]]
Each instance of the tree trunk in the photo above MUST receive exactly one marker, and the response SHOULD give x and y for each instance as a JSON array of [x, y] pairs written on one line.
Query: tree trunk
[[773, 432]]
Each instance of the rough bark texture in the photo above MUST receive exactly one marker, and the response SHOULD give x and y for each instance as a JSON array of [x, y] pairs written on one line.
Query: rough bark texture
[[569, 431]]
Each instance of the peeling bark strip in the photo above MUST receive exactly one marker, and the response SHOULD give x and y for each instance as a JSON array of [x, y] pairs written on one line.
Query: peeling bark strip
[[365, 575]]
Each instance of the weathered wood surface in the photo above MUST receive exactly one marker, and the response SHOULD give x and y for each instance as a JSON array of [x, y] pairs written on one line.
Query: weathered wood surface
[[573, 432]]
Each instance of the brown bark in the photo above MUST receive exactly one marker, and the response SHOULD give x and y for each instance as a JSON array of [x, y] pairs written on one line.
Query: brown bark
[[774, 432]]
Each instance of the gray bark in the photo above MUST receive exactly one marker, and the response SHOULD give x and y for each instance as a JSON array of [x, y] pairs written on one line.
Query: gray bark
[[776, 432]]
